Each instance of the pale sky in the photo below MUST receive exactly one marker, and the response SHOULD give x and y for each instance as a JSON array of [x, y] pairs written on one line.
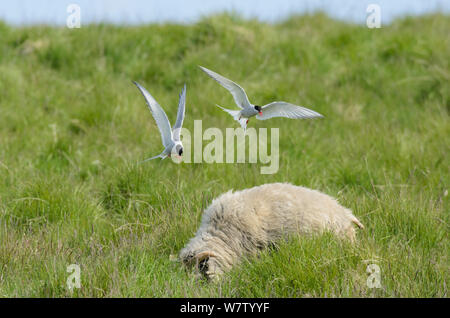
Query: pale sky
[[54, 12]]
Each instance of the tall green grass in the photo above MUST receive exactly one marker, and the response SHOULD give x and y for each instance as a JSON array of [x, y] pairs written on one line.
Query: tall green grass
[[73, 127]]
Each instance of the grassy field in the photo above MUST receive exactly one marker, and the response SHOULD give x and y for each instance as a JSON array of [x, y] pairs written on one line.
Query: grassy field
[[73, 128]]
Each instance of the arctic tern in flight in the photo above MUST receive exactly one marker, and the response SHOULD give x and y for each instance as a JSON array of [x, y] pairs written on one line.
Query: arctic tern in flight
[[170, 136], [274, 109]]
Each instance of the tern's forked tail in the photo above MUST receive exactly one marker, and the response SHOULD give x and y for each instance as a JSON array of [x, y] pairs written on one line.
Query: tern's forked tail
[[236, 114], [161, 155]]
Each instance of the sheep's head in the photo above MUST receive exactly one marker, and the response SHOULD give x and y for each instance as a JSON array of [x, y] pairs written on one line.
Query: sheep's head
[[205, 264]]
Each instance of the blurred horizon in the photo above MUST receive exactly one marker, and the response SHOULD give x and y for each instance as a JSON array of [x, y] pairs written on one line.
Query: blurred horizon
[[135, 12]]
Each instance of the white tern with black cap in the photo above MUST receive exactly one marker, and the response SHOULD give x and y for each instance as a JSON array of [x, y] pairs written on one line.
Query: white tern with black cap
[[274, 109], [170, 136]]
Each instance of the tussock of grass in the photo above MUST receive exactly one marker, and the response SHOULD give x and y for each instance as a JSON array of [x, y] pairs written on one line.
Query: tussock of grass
[[73, 127]]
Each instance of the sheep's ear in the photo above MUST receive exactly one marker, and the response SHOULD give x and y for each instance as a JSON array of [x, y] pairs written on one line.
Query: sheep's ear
[[203, 255]]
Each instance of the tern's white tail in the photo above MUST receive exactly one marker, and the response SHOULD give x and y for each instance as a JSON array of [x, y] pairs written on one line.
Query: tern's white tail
[[236, 114], [161, 155]]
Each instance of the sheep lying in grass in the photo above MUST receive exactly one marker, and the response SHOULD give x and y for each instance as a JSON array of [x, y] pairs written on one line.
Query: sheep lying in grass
[[242, 223]]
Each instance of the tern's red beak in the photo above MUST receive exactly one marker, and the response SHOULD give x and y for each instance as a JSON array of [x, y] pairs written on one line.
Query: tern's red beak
[[260, 113]]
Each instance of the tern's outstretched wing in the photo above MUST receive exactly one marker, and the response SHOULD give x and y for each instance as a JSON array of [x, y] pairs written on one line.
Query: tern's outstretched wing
[[160, 117], [238, 92], [283, 109], [180, 116]]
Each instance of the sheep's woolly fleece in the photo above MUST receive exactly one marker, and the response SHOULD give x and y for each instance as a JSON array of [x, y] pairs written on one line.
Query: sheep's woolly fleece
[[241, 223]]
